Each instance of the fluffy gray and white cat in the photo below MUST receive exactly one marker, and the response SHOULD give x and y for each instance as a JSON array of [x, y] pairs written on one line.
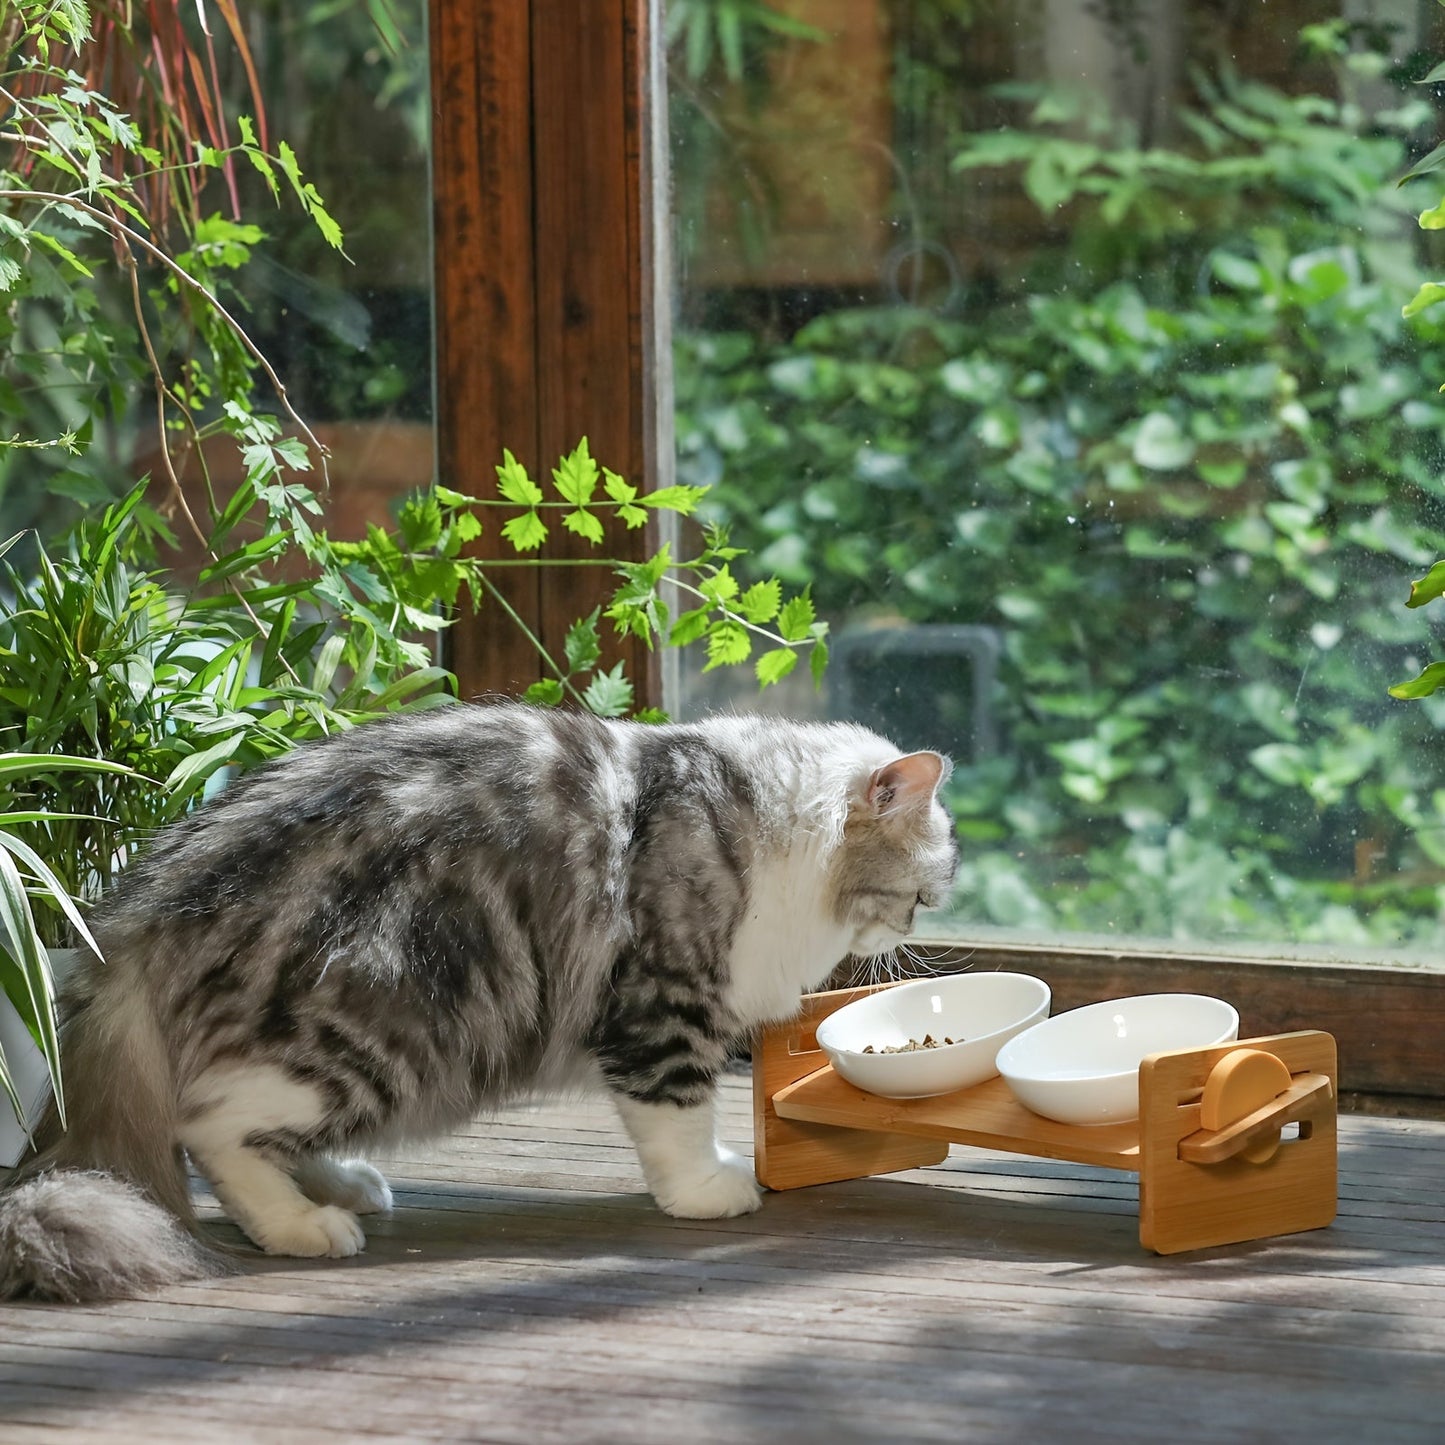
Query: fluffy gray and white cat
[[380, 935]]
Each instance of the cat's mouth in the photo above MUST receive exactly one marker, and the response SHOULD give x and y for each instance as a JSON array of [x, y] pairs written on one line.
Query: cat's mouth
[[879, 938]]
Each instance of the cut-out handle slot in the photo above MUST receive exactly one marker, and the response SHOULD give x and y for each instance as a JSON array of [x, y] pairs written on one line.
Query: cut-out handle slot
[[803, 1042]]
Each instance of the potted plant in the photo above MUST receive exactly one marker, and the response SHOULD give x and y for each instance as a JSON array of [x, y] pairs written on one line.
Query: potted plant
[[29, 1046]]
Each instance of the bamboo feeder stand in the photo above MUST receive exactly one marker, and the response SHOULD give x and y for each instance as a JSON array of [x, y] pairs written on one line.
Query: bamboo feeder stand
[[1209, 1146]]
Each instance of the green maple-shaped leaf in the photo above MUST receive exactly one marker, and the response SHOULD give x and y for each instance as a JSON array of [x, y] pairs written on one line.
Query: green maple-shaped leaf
[[547, 693], [609, 694], [676, 499], [727, 643], [582, 645], [584, 524], [618, 488], [624, 494], [526, 532], [721, 587], [761, 601], [576, 476], [514, 483], [449, 497], [690, 626], [796, 618], [775, 665]]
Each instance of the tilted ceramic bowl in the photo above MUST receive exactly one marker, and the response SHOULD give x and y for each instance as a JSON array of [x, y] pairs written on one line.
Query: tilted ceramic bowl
[[983, 1010], [1082, 1067]]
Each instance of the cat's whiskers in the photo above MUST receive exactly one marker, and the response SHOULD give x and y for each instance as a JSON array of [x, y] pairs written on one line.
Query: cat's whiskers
[[881, 968], [923, 959]]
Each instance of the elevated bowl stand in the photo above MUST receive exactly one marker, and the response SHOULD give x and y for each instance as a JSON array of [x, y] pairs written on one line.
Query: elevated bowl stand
[[1213, 1146]]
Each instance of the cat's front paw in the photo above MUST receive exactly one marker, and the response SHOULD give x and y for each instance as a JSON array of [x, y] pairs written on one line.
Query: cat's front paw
[[727, 1191], [321, 1232], [350, 1184]]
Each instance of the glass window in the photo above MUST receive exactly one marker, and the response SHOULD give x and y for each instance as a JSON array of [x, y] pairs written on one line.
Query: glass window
[[1059, 348], [349, 332], [345, 86]]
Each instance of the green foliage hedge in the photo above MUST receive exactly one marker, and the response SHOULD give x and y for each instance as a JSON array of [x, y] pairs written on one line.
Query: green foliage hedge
[[1186, 471]]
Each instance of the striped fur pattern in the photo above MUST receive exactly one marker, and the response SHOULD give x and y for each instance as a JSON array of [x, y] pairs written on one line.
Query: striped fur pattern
[[383, 934]]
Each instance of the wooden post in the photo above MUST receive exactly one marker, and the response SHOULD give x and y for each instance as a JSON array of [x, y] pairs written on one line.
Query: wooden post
[[543, 155]]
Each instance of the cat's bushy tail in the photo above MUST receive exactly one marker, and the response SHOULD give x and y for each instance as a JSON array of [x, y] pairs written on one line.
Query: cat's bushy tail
[[104, 1212]]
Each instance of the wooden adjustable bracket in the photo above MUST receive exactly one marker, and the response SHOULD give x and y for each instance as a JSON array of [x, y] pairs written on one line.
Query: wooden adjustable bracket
[[1249, 1098], [1214, 1165]]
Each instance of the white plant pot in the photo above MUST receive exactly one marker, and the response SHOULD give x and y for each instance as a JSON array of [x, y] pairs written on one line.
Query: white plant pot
[[27, 1067]]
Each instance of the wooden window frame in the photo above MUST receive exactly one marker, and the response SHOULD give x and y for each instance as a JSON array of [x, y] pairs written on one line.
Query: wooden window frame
[[551, 277], [544, 150]]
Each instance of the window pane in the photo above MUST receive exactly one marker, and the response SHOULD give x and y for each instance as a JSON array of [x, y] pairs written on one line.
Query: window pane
[[345, 86], [1059, 348], [350, 331]]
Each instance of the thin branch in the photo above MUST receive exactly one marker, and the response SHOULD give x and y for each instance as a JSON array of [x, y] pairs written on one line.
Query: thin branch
[[126, 261], [185, 278], [599, 503], [531, 636], [530, 561], [162, 393], [774, 637]]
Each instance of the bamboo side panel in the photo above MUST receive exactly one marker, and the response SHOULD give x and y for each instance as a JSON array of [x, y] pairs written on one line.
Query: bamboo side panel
[[1198, 1206]]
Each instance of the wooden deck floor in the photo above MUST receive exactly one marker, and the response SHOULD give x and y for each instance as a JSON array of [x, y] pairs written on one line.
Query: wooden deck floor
[[526, 1290]]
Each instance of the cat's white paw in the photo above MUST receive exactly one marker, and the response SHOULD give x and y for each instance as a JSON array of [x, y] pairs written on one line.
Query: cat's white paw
[[727, 1191], [347, 1183], [312, 1233], [367, 1191]]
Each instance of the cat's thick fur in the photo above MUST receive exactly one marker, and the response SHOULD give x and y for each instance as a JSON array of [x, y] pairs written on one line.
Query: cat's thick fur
[[382, 934]]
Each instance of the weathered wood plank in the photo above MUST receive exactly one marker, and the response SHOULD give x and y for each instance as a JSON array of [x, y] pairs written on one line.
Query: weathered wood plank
[[527, 1290]]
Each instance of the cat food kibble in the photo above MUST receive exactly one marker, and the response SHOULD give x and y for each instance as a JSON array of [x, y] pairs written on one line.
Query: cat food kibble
[[912, 1046]]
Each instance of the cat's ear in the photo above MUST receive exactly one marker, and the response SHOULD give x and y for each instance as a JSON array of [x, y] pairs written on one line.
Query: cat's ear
[[906, 783]]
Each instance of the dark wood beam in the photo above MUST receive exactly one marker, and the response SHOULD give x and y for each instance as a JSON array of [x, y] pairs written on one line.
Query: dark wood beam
[[542, 161]]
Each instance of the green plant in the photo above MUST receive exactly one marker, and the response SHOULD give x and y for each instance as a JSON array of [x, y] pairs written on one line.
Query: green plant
[[100, 657], [124, 697], [1428, 294], [25, 878], [377, 595]]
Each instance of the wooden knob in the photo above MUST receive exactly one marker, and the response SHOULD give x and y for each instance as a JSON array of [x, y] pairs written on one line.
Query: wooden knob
[[1238, 1084]]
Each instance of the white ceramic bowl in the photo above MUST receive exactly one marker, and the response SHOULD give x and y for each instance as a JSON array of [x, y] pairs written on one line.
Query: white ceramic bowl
[[1082, 1067], [984, 1010]]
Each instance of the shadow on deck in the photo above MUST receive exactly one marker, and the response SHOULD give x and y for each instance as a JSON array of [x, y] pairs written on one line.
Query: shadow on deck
[[526, 1290]]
